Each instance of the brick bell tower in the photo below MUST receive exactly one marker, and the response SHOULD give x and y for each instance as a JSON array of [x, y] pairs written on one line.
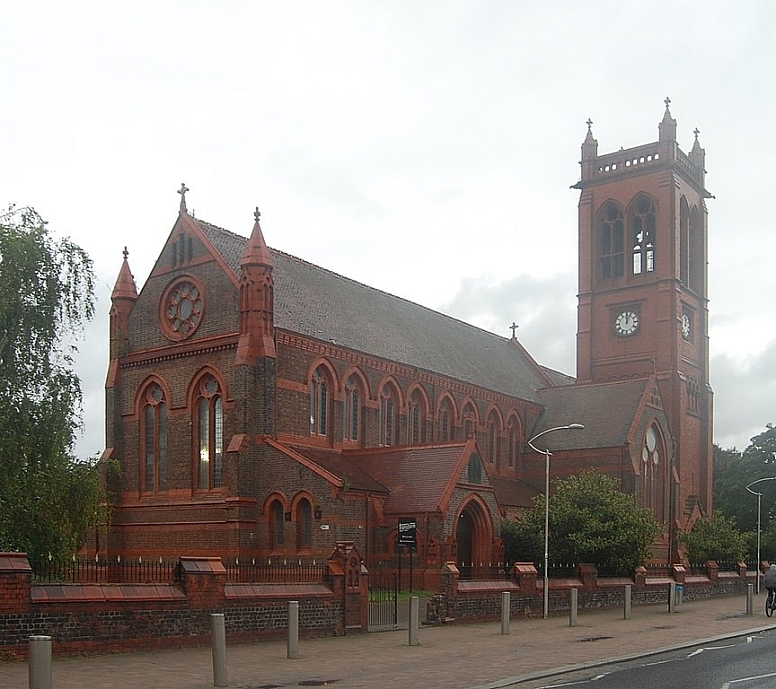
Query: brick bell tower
[[643, 304]]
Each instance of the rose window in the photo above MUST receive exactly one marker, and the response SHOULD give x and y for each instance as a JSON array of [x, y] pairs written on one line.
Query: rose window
[[182, 310]]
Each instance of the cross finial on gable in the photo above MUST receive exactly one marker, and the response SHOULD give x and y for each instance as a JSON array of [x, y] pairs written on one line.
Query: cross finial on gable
[[182, 191], [667, 101], [256, 214], [696, 131], [514, 327], [126, 253], [589, 124]]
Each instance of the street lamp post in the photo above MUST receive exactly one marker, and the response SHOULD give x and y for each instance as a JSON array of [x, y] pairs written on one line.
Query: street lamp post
[[759, 499], [546, 452]]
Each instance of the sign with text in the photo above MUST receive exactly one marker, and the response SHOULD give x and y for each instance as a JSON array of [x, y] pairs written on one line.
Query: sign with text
[[408, 527]]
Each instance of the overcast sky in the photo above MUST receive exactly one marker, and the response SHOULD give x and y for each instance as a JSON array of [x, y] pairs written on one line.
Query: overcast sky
[[423, 148]]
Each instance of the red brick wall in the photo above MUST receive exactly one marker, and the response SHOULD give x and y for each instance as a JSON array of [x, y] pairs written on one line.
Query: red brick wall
[[88, 618]]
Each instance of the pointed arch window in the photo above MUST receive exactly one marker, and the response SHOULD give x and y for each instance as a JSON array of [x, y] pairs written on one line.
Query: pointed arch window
[[684, 241], [277, 532], [653, 472], [304, 524], [352, 410], [611, 257], [494, 437], [469, 420], [154, 440], [444, 425], [642, 231], [513, 436], [319, 402], [474, 469], [387, 418], [695, 252], [209, 430], [416, 430]]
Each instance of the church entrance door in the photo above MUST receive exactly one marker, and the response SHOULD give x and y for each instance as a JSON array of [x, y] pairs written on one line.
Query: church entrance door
[[463, 538], [474, 540]]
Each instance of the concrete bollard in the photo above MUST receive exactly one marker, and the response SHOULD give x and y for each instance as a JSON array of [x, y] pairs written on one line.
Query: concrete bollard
[[750, 599], [40, 662], [628, 599], [672, 597], [218, 643], [573, 605], [505, 612], [293, 630], [414, 624]]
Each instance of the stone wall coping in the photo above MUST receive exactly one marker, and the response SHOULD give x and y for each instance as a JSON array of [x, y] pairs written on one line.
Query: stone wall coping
[[489, 586], [611, 582], [565, 583], [700, 579], [203, 565], [280, 591], [90, 593], [525, 568], [14, 562]]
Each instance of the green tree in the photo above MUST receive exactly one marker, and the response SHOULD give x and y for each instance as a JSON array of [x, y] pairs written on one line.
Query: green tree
[[47, 497], [714, 538], [523, 538], [734, 471], [591, 520], [767, 543]]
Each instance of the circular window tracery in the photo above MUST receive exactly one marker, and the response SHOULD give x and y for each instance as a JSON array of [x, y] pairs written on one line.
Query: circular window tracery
[[181, 310]]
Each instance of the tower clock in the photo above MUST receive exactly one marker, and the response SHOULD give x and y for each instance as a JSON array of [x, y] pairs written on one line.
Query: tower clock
[[642, 308]]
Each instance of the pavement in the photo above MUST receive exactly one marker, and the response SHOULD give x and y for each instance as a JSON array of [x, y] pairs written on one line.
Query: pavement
[[453, 656]]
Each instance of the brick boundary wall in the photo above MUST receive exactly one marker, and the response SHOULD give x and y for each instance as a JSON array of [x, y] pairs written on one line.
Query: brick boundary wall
[[99, 618], [103, 618], [476, 601]]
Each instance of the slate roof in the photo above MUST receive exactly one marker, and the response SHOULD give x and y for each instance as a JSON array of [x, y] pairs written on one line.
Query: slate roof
[[413, 478], [343, 467], [513, 492], [318, 303], [607, 411], [418, 476], [557, 377]]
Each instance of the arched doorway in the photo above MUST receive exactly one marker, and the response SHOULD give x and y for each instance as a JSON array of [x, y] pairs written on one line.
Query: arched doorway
[[474, 538], [463, 537]]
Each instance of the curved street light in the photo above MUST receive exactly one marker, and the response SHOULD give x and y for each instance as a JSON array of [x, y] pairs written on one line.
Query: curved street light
[[759, 498], [546, 452]]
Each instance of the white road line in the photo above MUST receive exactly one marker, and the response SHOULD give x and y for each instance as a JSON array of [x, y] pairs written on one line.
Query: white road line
[[729, 684], [710, 648]]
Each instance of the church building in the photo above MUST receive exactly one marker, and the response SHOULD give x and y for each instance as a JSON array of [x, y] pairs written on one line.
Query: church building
[[262, 407]]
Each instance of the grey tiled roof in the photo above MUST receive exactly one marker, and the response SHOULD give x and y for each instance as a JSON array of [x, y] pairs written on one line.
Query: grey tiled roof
[[511, 492], [607, 411], [318, 303]]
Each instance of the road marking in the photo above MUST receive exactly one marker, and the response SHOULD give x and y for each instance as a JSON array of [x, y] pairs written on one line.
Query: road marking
[[576, 682], [710, 648], [727, 685]]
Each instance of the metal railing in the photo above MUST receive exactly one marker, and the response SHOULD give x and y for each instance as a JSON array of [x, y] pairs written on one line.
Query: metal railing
[[84, 570], [294, 571]]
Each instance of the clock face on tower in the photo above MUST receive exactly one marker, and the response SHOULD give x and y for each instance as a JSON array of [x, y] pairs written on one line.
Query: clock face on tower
[[626, 323], [686, 325]]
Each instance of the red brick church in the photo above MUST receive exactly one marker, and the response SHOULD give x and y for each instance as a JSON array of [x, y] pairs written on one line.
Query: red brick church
[[261, 406]]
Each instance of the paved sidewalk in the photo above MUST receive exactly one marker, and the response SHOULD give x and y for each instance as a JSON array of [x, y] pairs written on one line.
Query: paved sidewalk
[[457, 656]]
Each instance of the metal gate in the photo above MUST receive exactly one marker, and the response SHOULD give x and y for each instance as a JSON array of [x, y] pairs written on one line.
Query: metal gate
[[383, 602]]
